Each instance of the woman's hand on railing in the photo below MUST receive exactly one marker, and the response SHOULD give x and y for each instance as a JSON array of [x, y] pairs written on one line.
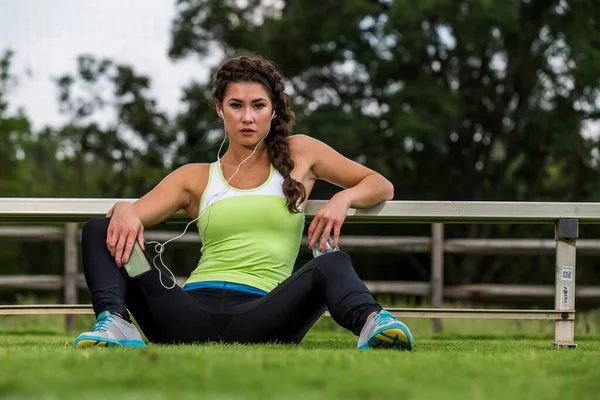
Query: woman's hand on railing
[[124, 229], [328, 220]]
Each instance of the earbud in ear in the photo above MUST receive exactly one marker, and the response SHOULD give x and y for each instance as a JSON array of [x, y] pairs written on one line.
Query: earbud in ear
[[273, 115]]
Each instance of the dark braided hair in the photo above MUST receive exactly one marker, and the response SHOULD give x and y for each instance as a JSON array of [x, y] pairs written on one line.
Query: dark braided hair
[[258, 70]]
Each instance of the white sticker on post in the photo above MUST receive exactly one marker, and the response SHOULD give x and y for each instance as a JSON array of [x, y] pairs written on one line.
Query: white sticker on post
[[564, 298], [566, 274]]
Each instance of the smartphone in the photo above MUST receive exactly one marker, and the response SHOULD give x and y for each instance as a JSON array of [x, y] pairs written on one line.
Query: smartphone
[[138, 263]]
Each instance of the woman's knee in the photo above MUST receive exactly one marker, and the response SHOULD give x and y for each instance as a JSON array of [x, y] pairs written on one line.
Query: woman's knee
[[95, 228], [336, 260]]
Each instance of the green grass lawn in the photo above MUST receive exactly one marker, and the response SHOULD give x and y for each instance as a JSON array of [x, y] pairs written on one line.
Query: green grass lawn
[[42, 364]]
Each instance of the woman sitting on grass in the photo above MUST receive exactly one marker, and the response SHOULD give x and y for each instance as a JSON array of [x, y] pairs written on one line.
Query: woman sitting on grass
[[249, 210]]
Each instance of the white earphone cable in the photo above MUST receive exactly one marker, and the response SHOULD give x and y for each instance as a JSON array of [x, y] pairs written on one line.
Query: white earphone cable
[[160, 247]]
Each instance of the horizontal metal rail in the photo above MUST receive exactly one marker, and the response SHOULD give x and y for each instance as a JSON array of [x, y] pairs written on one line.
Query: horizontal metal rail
[[565, 315], [370, 243], [78, 210], [486, 292], [42, 309], [457, 313]]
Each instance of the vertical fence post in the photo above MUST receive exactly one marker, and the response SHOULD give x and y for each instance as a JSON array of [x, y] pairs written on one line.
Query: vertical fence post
[[70, 278], [437, 271], [566, 232]]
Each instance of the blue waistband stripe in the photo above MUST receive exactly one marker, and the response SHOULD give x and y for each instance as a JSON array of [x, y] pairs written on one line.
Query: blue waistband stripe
[[238, 287]]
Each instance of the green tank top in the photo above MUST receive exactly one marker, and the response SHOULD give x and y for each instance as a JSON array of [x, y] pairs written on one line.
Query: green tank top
[[248, 237]]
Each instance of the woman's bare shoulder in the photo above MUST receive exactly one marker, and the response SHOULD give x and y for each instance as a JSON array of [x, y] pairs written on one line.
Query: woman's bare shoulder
[[192, 168], [299, 139], [195, 176], [302, 149], [300, 144]]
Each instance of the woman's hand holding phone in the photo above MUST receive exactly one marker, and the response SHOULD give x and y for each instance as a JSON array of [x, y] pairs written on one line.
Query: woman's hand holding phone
[[124, 229]]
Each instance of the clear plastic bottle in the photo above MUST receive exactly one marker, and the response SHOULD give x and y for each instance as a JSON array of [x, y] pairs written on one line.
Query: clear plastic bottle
[[328, 248]]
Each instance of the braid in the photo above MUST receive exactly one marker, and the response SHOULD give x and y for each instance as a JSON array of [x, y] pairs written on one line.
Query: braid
[[278, 149], [256, 69]]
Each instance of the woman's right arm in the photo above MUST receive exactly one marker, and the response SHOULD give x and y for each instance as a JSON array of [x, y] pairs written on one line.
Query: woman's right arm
[[181, 189]]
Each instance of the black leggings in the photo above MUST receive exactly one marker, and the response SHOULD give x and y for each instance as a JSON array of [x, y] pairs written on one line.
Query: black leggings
[[176, 316]]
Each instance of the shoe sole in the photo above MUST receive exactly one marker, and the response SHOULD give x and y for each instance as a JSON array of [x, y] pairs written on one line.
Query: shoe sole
[[94, 342], [391, 338], [83, 343]]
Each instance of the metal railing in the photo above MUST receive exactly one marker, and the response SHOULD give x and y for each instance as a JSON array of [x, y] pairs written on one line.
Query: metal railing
[[565, 217]]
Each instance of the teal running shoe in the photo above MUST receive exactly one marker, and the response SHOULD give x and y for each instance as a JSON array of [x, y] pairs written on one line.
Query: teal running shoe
[[110, 330], [383, 330]]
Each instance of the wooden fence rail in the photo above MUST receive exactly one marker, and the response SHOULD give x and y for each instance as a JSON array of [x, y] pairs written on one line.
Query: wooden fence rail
[[468, 292]]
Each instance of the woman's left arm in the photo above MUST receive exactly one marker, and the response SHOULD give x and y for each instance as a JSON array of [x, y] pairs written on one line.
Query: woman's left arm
[[363, 188]]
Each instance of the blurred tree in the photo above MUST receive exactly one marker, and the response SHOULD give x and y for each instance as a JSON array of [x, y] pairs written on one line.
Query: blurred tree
[[116, 142], [465, 87], [132, 139], [13, 126]]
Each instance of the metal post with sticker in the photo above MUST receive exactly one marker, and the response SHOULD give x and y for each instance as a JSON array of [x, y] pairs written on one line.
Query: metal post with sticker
[[566, 275], [564, 298], [566, 233]]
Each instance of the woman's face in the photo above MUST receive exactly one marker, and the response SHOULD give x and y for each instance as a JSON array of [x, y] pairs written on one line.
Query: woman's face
[[246, 111]]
